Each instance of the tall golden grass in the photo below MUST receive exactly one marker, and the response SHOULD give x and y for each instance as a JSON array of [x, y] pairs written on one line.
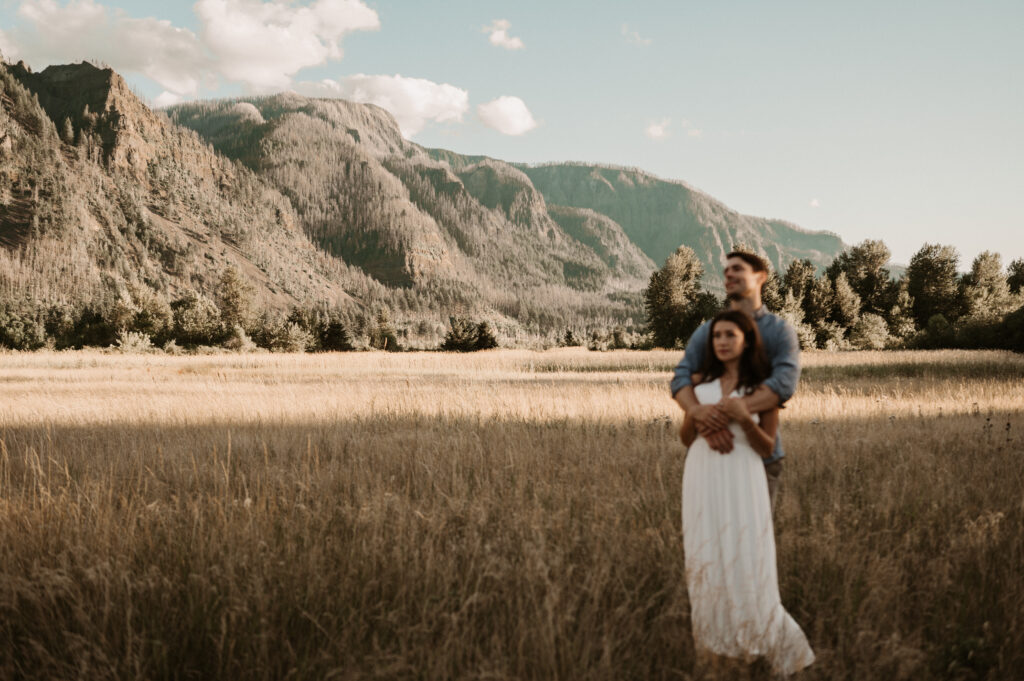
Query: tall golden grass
[[502, 515]]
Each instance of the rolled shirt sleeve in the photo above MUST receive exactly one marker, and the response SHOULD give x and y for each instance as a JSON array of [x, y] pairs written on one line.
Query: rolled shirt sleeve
[[692, 359], [785, 359]]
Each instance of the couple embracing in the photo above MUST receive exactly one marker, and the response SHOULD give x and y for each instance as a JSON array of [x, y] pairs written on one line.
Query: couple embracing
[[738, 370]]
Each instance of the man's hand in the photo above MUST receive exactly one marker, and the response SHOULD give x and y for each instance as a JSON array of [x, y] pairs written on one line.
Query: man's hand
[[710, 417], [720, 440], [712, 423], [734, 408]]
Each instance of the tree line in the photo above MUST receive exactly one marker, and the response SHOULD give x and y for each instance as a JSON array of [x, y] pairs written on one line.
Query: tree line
[[856, 303]]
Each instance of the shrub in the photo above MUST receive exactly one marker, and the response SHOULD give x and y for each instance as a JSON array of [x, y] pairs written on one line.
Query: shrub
[[292, 338], [870, 332], [238, 341], [197, 320], [21, 327], [133, 342]]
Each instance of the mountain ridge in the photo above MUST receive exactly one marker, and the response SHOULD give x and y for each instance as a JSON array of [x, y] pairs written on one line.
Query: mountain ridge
[[322, 201]]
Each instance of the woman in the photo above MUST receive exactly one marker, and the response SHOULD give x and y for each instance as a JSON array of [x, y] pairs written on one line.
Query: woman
[[727, 525]]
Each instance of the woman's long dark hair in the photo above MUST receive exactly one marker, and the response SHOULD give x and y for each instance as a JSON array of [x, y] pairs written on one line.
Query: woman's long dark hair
[[754, 366]]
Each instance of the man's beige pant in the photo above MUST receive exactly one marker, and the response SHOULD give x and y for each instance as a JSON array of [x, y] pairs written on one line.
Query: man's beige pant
[[774, 471]]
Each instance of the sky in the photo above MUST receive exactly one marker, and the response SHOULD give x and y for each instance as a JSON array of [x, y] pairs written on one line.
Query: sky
[[897, 120]]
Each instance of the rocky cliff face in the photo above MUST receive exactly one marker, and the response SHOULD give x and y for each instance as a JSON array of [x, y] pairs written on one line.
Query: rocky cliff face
[[100, 191]]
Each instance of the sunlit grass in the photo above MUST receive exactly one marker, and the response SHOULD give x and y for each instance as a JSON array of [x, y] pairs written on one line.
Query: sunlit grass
[[508, 514]]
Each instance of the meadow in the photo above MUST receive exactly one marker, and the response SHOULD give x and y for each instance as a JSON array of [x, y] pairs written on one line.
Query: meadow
[[499, 515]]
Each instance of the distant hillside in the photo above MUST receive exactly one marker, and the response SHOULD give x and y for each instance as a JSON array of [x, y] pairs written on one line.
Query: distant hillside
[[99, 193], [482, 236], [323, 202], [659, 215]]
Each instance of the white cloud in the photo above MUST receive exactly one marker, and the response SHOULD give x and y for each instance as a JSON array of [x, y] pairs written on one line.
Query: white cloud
[[499, 35], [815, 203], [83, 29], [658, 130], [412, 101], [260, 44], [695, 132], [507, 115], [634, 37], [166, 98], [264, 44]]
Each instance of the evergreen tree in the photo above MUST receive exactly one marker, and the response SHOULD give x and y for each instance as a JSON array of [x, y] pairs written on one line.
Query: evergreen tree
[[818, 302], [68, 131], [932, 283], [333, 336], [485, 339], [1015, 276], [569, 339], [771, 293], [798, 279], [235, 298], [846, 305], [461, 337], [383, 335]]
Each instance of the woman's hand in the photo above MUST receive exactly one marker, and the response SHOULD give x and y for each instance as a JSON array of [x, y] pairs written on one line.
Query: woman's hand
[[735, 407]]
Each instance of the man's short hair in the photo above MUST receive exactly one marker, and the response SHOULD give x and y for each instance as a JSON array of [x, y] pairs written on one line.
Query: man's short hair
[[756, 262]]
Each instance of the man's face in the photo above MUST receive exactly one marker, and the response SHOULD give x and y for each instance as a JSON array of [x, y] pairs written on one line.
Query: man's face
[[741, 281]]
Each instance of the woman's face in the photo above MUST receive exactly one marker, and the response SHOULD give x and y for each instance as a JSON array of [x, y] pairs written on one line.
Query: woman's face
[[727, 340]]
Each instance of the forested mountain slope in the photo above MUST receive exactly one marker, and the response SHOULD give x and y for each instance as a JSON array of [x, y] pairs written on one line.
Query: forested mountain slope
[[659, 215], [482, 237], [100, 196], [322, 202]]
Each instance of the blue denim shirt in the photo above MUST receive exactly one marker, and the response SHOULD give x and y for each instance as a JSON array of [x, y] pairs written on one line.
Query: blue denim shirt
[[781, 346]]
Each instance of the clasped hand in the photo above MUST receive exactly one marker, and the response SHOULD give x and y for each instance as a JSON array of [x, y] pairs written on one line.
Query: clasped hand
[[712, 422]]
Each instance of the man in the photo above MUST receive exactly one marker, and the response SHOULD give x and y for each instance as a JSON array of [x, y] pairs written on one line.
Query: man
[[745, 275]]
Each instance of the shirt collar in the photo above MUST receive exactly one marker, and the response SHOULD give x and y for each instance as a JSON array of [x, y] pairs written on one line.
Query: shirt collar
[[760, 312]]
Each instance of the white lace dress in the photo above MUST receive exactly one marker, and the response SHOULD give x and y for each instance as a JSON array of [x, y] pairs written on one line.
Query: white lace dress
[[730, 555]]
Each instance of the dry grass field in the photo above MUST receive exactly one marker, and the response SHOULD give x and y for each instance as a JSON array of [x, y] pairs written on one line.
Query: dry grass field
[[502, 515]]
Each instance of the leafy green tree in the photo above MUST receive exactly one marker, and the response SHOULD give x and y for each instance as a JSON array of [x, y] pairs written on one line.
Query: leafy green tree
[[866, 272], [932, 283], [986, 292], [21, 327], [197, 320], [673, 299], [900, 317], [793, 313]]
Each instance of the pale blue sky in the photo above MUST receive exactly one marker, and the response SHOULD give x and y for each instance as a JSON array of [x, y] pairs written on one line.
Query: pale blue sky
[[900, 120]]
